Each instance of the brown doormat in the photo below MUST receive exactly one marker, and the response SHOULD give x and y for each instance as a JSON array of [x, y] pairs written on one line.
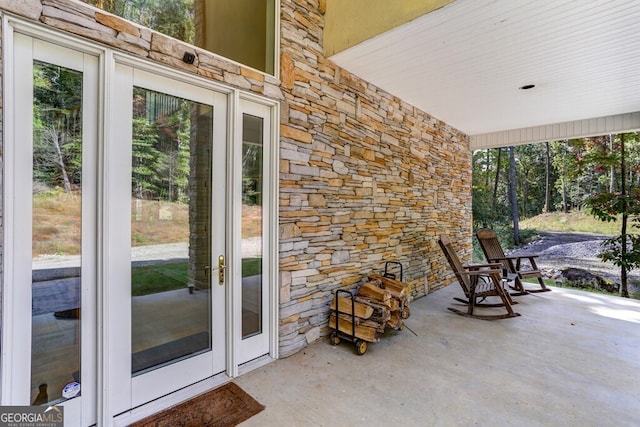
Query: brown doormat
[[224, 406]]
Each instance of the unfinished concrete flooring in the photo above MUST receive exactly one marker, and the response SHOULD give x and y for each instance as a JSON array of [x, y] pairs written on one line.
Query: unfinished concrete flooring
[[571, 359]]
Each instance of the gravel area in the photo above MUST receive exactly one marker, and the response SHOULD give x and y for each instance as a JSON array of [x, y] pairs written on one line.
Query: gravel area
[[560, 250]]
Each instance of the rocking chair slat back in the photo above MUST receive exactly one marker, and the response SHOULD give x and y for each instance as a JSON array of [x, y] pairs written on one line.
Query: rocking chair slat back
[[493, 252], [477, 282]]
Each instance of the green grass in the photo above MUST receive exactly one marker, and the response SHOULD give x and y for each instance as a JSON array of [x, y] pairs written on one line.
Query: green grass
[[577, 222], [151, 279]]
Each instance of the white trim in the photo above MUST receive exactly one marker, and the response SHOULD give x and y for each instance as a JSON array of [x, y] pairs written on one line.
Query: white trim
[[136, 414], [274, 232], [259, 344], [619, 123], [255, 364], [103, 301], [234, 227], [117, 235], [149, 66], [89, 262], [61, 38], [276, 47], [18, 215], [107, 380], [7, 357], [18, 180]]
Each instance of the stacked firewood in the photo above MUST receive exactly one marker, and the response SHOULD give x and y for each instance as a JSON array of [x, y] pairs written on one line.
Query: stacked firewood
[[379, 303]]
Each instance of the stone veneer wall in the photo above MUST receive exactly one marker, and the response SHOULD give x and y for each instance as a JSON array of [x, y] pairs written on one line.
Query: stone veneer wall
[[364, 177]]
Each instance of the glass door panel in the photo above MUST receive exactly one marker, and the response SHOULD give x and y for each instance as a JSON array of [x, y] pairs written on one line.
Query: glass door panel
[[170, 225], [167, 217], [49, 317], [252, 225], [254, 204], [56, 233]]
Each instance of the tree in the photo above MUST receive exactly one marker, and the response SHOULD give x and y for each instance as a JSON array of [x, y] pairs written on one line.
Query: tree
[[547, 178], [57, 145], [489, 200], [624, 249], [144, 158], [530, 175], [513, 196], [174, 18]]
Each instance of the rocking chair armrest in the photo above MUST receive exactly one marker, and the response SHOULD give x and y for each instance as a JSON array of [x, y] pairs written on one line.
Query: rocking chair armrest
[[471, 267], [486, 272], [513, 258], [504, 258]]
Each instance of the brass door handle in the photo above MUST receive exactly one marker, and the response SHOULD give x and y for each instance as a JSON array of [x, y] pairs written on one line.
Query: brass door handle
[[220, 269]]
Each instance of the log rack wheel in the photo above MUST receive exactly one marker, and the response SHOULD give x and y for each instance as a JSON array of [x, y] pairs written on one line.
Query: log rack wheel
[[335, 339]]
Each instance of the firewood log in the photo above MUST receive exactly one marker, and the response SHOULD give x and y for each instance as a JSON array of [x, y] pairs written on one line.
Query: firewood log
[[395, 322], [381, 312], [379, 327], [344, 306], [345, 326], [372, 291], [393, 285]]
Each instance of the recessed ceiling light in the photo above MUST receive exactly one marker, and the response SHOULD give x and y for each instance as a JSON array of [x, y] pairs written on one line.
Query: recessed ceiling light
[[527, 87]]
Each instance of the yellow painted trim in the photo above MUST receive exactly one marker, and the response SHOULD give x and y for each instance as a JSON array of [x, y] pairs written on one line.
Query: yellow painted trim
[[349, 22]]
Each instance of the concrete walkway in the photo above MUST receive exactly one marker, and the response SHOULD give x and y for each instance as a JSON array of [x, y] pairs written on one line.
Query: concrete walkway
[[571, 359]]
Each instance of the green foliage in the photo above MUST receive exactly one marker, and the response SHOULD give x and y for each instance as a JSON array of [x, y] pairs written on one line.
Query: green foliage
[[530, 179], [57, 142], [162, 127], [145, 157], [174, 18], [612, 251], [624, 249], [608, 206], [252, 174]]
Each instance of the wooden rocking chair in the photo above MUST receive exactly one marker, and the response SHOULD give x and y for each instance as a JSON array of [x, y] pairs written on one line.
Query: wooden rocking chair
[[478, 282], [513, 265]]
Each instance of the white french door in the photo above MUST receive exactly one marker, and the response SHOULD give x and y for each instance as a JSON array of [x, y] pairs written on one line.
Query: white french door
[[253, 158], [139, 244], [50, 251], [167, 236]]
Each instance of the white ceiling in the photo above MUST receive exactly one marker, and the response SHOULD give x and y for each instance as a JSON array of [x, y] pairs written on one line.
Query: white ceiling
[[465, 62]]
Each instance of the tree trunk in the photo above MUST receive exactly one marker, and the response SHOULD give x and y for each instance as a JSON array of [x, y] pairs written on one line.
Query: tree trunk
[[497, 178], [563, 181], [488, 169], [612, 170], [55, 139], [624, 291], [513, 196], [547, 173]]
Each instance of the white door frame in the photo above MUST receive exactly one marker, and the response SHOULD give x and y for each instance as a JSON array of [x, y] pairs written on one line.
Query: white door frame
[[104, 331], [21, 51], [261, 344]]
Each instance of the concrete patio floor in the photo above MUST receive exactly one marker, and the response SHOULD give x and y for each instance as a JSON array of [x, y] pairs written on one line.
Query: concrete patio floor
[[571, 359]]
